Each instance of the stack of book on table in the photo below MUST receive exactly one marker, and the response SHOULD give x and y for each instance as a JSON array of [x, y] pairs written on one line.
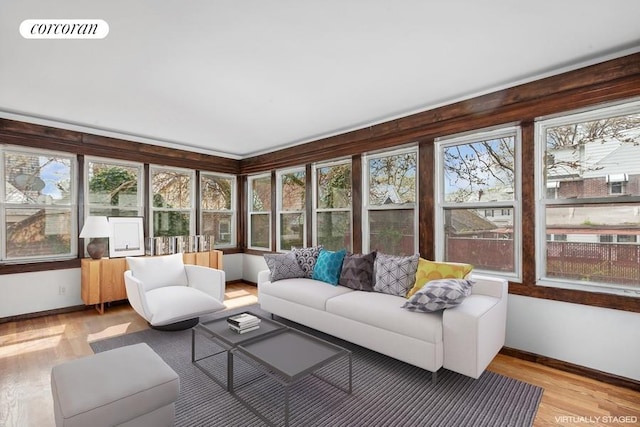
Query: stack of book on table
[[243, 322]]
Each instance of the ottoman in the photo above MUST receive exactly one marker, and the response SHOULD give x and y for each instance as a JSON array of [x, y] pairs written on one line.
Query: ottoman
[[129, 386]]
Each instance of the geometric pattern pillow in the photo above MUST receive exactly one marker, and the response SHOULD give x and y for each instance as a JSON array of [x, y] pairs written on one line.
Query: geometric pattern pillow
[[439, 294], [357, 271], [432, 270], [307, 258], [328, 266], [395, 274], [283, 266]]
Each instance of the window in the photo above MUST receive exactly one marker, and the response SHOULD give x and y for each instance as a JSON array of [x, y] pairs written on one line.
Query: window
[[478, 200], [38, 205], [172, 207], [291, 195], [332, 205], [390, 218], [113, 188], [259, 224], [597, 159], [217, 201]]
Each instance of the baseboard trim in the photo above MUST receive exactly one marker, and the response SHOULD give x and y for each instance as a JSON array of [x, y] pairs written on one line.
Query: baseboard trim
[[595, 374], [52, 312]]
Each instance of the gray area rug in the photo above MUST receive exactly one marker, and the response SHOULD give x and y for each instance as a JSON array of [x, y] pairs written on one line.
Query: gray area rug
[[386, 392]]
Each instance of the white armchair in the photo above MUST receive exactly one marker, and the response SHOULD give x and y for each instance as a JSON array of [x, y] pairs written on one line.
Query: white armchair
[[171, 295]]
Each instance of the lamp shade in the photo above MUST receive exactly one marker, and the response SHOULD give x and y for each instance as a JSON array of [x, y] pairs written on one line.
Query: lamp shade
[[95, 226]]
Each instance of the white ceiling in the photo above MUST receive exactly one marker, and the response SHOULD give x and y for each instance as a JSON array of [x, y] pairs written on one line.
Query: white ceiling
[[242, 77]]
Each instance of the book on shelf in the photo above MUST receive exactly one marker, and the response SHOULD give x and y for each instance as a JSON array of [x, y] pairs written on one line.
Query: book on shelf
[[243, 319], [244, 329]]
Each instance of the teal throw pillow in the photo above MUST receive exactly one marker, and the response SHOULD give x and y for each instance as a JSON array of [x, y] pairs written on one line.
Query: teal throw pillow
[[328, 266]]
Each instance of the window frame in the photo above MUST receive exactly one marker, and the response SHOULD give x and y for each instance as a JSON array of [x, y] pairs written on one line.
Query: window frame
[[541, 125], [316, 210], [72, 206], [141, 183], [280, 210], [251, 212], [192, 197], [367, 207], [515, 204], [232, 211]]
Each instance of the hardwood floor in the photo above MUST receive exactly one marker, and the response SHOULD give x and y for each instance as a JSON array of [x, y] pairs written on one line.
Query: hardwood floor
[[30, 348]]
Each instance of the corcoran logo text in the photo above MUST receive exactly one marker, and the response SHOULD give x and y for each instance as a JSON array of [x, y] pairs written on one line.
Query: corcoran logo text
[[64, 29]]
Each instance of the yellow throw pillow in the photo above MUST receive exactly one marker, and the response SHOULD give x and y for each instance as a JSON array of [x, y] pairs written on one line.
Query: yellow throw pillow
[[432, 270]]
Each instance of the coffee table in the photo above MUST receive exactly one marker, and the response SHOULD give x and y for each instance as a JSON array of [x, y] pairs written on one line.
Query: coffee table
[[277, 351], [218, 332]]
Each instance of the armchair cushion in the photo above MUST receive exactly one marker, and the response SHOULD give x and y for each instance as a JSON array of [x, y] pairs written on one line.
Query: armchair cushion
[[160, 271], [173, 304]]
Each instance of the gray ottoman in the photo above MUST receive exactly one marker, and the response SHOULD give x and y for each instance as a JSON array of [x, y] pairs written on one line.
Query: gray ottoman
[[130, 386]]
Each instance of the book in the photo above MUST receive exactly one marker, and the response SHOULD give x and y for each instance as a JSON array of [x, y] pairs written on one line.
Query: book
[[243, 330], [243, 319]]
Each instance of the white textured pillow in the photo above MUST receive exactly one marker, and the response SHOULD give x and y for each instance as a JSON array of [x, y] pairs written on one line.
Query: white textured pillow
[[395, 275], [158, 271], [439, 294]]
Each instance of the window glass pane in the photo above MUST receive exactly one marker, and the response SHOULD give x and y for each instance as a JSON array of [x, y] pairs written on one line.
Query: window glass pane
[[291, 231], [392, 179], [38, 232], [392, 231], [171, 223], [37, 179], [334, 230], [598, 158], [473, 237], [218, 225], [171, 189], [261, 194], [216, 192], [113, 185], [292, 191], [334, 187], [260, 230], [480, 171], [590, 252]]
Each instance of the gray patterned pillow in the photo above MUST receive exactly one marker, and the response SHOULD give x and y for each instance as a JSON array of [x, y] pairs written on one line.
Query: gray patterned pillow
[[307, 258], [439, 294], [357, 271], [283, 266], [395, 275]]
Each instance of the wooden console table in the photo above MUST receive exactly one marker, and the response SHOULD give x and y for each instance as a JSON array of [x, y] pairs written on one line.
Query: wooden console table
[[102, 280]]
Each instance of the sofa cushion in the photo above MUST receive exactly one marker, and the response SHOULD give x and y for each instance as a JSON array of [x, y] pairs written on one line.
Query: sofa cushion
[[433, 270], [283, 266], [307, 292], [384, 311], [328, 266], [159, 271], [357, 271], [307, 258], [395, 274], [439, 294]]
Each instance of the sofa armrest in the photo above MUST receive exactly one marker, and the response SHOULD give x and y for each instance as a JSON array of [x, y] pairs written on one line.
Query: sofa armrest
[[475, 331], [264, 276], [211, 281]]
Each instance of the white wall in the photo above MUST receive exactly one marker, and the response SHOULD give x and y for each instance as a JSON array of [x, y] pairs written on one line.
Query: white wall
[[598, 338], [253, 264], [26, 293], [39, 291]]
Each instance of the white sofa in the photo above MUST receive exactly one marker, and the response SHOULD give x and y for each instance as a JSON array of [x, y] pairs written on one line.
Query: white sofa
[[463, 339]]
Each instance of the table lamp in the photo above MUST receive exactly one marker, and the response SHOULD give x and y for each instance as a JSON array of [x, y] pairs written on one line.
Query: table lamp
[[95, 228]]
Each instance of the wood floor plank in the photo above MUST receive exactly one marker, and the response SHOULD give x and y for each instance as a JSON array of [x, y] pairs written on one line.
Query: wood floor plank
[[29, 348]]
